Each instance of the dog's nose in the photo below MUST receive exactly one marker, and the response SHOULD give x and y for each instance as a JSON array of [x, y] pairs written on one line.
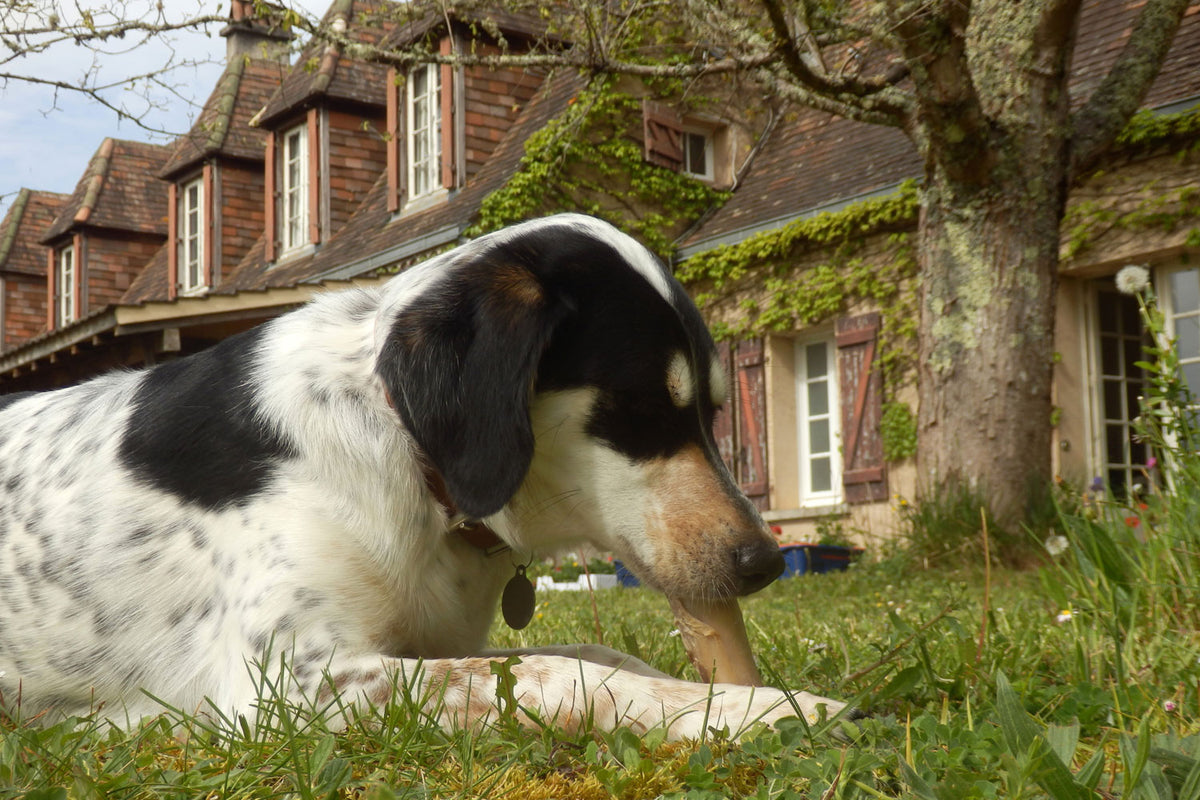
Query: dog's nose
[[757, 565]]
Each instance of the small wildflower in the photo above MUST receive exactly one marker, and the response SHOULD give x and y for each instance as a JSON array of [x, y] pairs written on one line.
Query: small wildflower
[[1057, 545], [1066, 615], [1169, 706], [1133, 279], [1151, 462], [674, 632], [1097, 484], [1132, 521]]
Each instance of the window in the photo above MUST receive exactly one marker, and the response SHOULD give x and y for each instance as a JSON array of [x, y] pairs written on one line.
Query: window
[[817, 414], [191, 236], [1182, 307], [1119, 382], [294, 194], [697, 154], [424, 114], [64, 284]]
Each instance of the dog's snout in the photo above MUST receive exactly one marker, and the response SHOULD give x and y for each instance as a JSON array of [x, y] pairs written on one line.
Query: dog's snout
[[757, 565]]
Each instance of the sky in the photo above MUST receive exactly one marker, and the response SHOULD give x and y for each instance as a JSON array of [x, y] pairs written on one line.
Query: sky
[[46, 140]]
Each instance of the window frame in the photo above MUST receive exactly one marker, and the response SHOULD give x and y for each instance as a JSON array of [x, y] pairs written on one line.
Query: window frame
[[66, 303], [187, 234], [293, 223], [808, 495], [424, 177]]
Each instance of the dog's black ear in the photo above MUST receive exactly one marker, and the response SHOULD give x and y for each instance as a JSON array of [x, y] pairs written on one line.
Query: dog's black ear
[[460, 363]]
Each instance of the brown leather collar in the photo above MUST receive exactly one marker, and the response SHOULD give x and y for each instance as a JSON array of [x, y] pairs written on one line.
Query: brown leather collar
[[473, 531]]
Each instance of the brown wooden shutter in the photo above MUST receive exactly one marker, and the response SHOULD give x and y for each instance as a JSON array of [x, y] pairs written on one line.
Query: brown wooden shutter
[[723, 425], [314, 177], [751, 387], [864, 475], [663, 135], [740, 428]]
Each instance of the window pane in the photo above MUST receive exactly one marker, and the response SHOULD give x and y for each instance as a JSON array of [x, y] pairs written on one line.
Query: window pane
[[1114, 436], [1191, 372], [818, 436], [1107, 302], [1187, 331], [1110, 356], [816, 360], [1131, 317], [1112, 400], [818, 398], [1185, 290], [821, 474], [1133, 354], [697, 161]]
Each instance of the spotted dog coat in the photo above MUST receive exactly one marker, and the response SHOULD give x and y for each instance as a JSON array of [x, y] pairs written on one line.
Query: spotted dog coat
[[162, 530]]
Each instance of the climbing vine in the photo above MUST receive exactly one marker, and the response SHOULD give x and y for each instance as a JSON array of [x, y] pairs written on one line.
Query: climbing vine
[[793, 297], [590, 159]]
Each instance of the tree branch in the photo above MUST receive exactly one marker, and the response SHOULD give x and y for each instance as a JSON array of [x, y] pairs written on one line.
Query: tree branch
[[1120, 94]]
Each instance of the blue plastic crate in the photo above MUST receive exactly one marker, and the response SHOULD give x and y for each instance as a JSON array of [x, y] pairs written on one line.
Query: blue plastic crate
[[624, 576], [801, 558]]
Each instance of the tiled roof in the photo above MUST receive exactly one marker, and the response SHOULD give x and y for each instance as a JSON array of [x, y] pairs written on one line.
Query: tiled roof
[[812, 159], [222, 127], [323, 71], [152, 282], [119, 190], [374, 237], [21, 231]]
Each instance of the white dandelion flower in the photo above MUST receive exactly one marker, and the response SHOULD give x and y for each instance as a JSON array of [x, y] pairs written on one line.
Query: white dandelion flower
[[1133, 279], [1057, 545]]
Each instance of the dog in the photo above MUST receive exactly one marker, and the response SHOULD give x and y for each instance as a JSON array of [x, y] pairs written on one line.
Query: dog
[[334, 486]]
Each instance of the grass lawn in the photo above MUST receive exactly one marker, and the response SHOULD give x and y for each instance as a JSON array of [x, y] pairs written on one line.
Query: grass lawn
[[976, 690]]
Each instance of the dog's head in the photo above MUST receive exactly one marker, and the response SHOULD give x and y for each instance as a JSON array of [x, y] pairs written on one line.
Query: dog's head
[[557, 372]]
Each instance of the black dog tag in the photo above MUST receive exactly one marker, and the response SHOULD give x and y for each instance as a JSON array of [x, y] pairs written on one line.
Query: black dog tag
[[517, 602]]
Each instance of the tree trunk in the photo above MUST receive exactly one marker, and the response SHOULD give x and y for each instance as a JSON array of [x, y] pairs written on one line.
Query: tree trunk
[[989, 259]]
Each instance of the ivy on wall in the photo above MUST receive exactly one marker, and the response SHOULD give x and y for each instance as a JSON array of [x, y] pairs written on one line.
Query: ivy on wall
[[589, 159]]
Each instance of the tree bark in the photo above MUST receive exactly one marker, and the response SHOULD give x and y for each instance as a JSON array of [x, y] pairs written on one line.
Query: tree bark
[[988, 264]]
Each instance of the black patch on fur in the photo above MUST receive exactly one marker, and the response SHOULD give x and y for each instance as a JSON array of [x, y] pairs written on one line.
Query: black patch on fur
[[193, 430], [9, 399]]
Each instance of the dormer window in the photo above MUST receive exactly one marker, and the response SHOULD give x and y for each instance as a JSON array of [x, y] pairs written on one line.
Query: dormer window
[[294, 189], [423, 111], [191, 237], [64, 285], [687, 145]]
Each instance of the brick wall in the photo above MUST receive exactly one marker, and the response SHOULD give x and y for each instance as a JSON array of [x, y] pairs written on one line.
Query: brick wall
[[113, 261], [242, 215], [493, 98], [24, 308], [357, 158]]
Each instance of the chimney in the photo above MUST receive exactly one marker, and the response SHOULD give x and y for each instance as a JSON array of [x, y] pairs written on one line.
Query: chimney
[[250, 35]]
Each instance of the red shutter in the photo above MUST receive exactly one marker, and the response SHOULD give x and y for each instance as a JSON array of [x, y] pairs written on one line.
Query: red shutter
[[446, 99], [172, 240], [314, 177], [394, 141], [740, 428], [723, 426], [751, 387], [864, 476], [270, 199], [210, 203], [663, 135], [51, 299]]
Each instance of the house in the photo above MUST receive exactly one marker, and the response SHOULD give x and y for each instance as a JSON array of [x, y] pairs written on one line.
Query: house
[[23, 265], [301, 177]]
